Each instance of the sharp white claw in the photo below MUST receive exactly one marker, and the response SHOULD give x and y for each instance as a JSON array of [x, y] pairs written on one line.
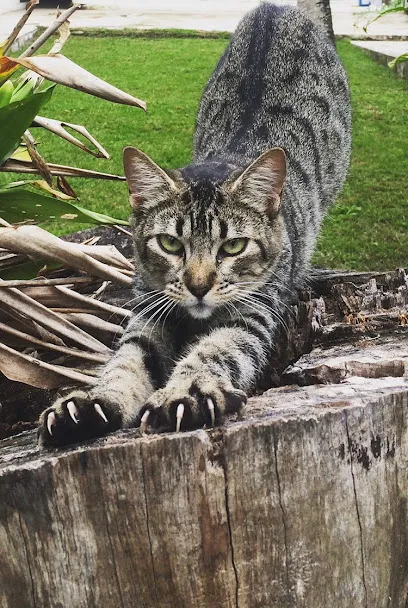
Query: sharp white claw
[[211, 409], [143, 422], [73, 412], [51, 420], [179, 416], [100, 411]]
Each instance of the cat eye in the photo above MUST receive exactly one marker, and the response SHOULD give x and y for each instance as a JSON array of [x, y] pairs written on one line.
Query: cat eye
[[233, 246], [170, 244]]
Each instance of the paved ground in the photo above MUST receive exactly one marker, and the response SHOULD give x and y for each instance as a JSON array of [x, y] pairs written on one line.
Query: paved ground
[[202, 15], [391, 49], [210, 15], [384, 52]]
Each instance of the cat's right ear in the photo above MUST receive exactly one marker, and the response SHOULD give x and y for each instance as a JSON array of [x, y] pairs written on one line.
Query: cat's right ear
[[261, 184], [148, 183]]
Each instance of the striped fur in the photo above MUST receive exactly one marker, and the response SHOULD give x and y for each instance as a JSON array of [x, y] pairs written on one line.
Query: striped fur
[[271, 153]]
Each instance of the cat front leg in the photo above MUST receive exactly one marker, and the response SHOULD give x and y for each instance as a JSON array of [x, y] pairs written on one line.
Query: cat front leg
[[112, 403], [212, 380]]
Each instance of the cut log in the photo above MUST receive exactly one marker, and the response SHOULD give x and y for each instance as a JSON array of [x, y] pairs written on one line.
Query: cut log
[[303, 503]]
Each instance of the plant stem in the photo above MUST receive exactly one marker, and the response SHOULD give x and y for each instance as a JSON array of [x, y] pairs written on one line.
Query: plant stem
[[18, 27], [49, 31]]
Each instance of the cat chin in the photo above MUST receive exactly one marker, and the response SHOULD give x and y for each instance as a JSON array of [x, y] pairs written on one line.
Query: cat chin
[[200, 311]]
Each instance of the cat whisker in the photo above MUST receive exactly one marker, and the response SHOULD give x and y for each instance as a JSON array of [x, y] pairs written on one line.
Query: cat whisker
[[165, 311], [155, 294], [145, 311], [278, 286], [235, 309], [174, 305], [264, 309], [149, 307], [275, 300], [159, 312], [154, 291]]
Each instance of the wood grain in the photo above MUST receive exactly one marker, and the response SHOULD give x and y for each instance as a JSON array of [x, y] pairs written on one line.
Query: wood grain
[[302, 504]]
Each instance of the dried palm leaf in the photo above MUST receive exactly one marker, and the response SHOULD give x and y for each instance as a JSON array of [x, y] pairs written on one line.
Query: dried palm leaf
[[16, 301], [18, 166], [38, 243], [50, 346], [58, 128], [25, 368]]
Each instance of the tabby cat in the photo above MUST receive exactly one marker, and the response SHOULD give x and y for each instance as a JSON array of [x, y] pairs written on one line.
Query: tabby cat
[[220, 243]]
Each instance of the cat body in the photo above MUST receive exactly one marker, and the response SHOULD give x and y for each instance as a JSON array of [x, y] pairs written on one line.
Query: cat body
[[220, 244], [286, 88]]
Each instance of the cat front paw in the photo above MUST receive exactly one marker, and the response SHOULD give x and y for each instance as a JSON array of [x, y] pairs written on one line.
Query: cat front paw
[[78, 416], [192, 403]]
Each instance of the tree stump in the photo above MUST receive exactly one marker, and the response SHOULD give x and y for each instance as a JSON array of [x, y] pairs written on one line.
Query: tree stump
[[302, 503]]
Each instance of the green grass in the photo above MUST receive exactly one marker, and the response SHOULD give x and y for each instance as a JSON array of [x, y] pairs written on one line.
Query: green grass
[[169, 74], [367, 229]]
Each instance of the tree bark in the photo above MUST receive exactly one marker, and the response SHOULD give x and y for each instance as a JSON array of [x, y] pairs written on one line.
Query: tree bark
[[303, 503], [320, 12]]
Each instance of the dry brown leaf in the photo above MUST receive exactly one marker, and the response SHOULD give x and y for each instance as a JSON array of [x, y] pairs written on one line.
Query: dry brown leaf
[[42, 185], [48, 335], [13, 36], [95, 323], [97, 304], [38, 243], [108, 254], [64, 33], [42, 282], [50, 31], [51, 346], [16, 302], [48, 296], [57, 127], [62, 70], [19, 166], [25, 368], [36, 158], [65, 187]]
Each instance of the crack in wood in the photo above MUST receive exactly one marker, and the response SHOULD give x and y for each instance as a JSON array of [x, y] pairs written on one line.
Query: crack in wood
[[28, 559], [217, 455], [234, 566], [363, 573], [148, 525], [112, 551], [285, 532]]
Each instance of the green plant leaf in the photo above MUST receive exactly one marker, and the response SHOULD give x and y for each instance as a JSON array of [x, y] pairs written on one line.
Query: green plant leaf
[[16, 117], [27, 270], [6, 92], [385, 11], [18, 204], [400, 59]]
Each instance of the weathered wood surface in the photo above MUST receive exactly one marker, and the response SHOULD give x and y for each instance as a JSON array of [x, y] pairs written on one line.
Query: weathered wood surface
[[301, 504]]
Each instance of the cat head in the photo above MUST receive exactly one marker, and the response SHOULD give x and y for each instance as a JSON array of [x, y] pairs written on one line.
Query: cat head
[[207, 234]]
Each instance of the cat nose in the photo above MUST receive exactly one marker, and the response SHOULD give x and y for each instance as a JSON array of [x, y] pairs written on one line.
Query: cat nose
[[199, 281], [199, 290]]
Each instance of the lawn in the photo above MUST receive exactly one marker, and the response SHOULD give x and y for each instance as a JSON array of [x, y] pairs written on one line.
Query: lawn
[[366, 229]]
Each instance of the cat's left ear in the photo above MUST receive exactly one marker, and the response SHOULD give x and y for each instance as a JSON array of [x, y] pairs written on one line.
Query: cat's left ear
[[261, 184], [148, 183]]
